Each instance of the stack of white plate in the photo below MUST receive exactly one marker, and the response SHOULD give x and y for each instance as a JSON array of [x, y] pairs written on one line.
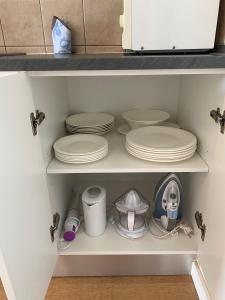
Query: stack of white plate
[[91, 123], [80, 148], [161, 144]]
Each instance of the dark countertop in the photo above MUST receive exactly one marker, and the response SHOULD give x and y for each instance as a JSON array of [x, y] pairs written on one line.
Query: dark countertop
[[215, 59]]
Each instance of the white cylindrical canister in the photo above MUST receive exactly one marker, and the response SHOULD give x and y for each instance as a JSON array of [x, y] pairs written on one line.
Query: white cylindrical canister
[[94, 208]]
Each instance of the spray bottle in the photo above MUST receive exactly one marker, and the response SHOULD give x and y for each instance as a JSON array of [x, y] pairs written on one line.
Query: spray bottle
[[72, 221]]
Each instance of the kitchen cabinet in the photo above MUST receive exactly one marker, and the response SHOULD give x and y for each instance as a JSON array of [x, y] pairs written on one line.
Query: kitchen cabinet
[[34, 185]]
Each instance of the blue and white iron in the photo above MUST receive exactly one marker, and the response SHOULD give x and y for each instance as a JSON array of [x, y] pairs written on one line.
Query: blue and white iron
[[169, 200]]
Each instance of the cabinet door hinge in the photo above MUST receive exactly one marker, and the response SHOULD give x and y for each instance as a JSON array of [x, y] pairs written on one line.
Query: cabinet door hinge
[[36, 120], [218, 117], [201, 226], [54, 227]]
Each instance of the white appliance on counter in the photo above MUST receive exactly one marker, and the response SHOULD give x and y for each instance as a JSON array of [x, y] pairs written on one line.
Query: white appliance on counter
[[169, 25]]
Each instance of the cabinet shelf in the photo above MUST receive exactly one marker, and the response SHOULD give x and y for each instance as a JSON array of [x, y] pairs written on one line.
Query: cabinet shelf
[[111, 243], [119, 160]]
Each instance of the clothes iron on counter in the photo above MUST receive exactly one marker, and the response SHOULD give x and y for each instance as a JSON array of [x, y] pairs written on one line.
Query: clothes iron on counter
[[169, 200]]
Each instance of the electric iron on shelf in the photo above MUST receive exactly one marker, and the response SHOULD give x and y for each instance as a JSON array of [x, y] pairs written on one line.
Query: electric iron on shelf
[[169, 200]]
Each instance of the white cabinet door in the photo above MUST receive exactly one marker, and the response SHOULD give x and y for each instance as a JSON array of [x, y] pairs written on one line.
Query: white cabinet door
[[212, 250], [27, 256]]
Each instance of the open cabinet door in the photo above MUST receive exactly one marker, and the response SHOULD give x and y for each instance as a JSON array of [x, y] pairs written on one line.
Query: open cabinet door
[[27, 255], [211, 256]]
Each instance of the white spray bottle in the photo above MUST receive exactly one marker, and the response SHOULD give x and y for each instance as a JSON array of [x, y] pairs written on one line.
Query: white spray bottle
[[72, 221]]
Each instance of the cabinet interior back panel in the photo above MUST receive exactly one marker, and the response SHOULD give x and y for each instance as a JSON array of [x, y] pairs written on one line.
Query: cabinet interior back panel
[[122, 265], [118, 94], [117, 184]]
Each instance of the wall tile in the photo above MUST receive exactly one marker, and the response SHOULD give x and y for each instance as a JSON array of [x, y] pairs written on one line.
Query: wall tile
[[1, 36], [28, 50], [2, 50], [102, 22], [78, 49], [21, 22], [75, 49], [103, 49], [220, 39], [71, 11]]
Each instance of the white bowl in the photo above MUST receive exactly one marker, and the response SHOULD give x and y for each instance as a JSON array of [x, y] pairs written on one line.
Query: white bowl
[[148, 117]]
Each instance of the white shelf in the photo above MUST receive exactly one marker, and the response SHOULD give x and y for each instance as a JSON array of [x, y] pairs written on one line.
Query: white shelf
[[111, 243], [119, 160]]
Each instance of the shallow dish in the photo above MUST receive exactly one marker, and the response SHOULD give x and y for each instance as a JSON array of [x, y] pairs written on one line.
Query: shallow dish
[[139, 118]]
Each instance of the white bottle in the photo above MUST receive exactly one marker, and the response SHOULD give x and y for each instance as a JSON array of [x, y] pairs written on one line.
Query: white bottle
[[94, 208], [72, 221]]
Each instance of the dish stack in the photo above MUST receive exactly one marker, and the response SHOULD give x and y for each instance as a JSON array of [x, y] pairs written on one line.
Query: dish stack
[[90, 123], [80, 148], [161, 144]]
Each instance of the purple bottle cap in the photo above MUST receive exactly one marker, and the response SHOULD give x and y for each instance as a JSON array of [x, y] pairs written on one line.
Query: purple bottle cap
[[69, 236]]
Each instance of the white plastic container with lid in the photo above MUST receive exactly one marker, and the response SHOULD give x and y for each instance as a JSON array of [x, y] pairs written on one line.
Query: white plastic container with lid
[[94, 209]]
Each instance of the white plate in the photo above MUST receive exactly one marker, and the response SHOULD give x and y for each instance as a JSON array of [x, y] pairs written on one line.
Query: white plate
[[125, 128], [69, 128], [77, 159], [81, 161], [137, 118], [161, 159], [171, 156], [144, 151], [83, 144], [160, 156], [90, 119], [160, 138], [91, 132], [90, 128], [97, 127], [160, 151], [71, 156]]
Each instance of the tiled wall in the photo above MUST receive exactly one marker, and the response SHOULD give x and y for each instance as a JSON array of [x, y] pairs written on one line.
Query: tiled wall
[[25, 25]]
